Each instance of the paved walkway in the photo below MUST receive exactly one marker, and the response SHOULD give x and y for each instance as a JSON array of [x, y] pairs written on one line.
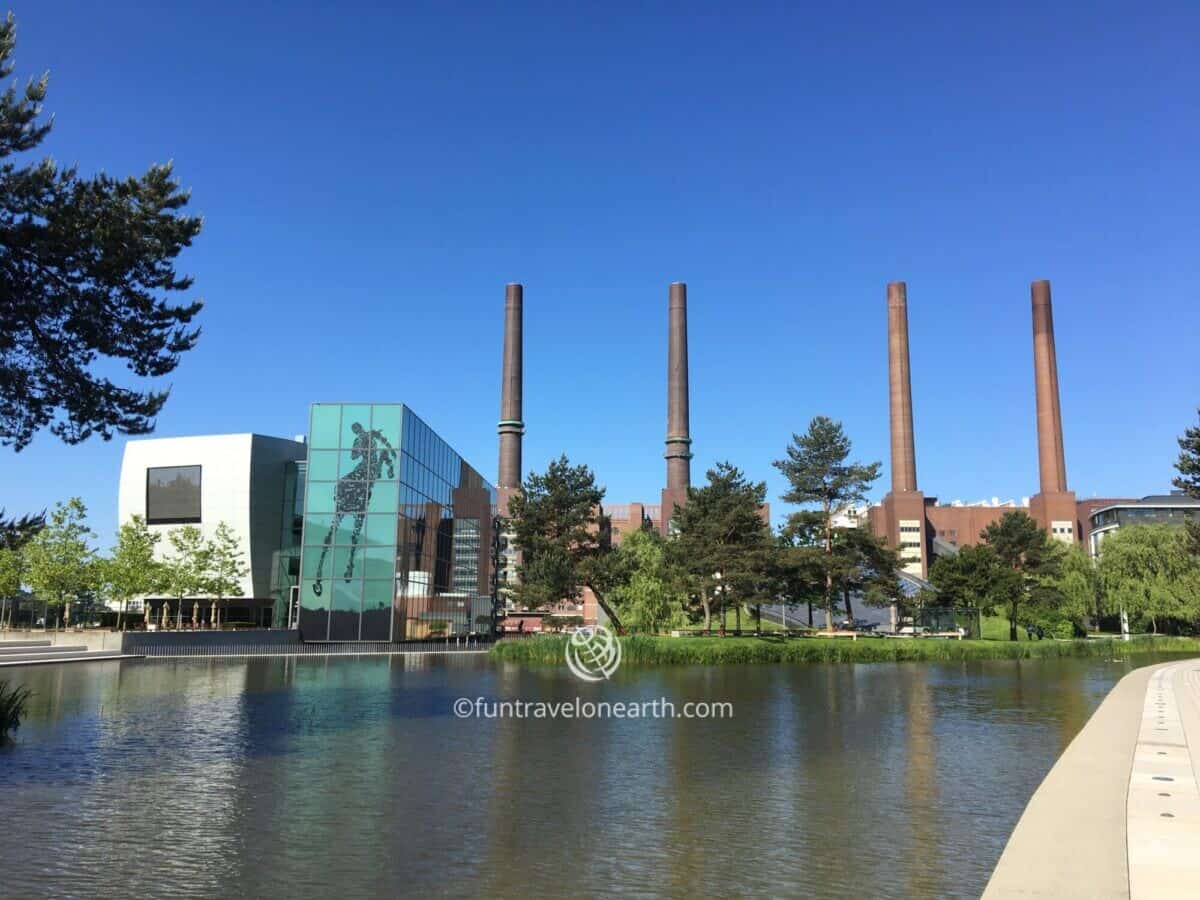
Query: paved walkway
[[32, 653], [1119, 814]]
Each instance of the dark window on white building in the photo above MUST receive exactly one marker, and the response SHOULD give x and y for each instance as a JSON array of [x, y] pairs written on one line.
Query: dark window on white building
[[173, 495]]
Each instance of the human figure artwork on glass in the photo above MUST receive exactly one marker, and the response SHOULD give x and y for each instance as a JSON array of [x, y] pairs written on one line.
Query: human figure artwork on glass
[[354, 492]]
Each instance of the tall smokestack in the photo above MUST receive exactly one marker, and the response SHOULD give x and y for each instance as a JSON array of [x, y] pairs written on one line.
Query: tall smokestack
[[904, 457], [511, 425], [679, 440], [1052, 466]]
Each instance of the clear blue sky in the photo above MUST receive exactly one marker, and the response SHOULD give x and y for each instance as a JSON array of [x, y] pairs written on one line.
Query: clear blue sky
[[370, 179]]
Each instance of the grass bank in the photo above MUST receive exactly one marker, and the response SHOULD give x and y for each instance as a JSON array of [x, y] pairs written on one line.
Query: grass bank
[[665, 651]]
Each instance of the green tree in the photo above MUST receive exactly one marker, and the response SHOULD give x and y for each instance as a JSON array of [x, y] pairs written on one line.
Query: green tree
[[1188, 480], [818, 473], [185, 568], [131, 571], [964, 579], [1147, 571], [85, 265], [12, 574], [723, 547], [1078, 584], [60, 559], [226, 568], [559, 528], [800, 561], [648, 598], [1025, 557]]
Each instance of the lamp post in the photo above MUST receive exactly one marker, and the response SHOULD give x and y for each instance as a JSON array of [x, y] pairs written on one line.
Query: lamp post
[[720, 589]]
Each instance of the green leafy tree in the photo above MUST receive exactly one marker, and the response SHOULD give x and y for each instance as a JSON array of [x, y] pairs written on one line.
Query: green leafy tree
[[818, 474], [559, 528], [226, 568], [15, 532], [1078, 584], [723, 549], [131, 571], [85, 265], [1025, 557], [185, 568], [1188, 480], [60, 559], [1147, 571], [649, 599], [12, 574], [965, 579]]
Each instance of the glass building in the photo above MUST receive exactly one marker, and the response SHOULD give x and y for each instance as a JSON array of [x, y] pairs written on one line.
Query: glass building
[[285, 564], [1174, 509], [397, 530]]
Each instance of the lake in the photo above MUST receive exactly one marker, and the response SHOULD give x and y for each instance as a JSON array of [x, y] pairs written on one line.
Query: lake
[[351, 776]]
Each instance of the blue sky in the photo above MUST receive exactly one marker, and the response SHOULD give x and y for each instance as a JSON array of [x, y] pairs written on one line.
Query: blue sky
[[371, 178]]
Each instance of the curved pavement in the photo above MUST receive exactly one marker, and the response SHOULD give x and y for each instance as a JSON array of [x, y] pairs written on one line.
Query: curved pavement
[[1119, 814]]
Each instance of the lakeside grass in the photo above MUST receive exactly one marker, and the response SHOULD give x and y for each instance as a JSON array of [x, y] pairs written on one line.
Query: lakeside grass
[[747, 622], [649, 650]]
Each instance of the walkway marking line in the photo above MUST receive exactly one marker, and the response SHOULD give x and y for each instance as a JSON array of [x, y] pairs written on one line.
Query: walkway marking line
[[1163, 800]]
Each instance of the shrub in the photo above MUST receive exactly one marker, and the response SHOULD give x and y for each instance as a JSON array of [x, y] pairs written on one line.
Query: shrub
[[12, 707], [648, 650]]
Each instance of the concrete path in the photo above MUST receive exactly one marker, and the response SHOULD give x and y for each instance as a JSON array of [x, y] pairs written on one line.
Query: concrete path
[[32, 653], [1119, 814]]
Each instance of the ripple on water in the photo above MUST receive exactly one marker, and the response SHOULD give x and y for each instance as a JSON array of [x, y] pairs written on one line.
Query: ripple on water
[[306, 777]]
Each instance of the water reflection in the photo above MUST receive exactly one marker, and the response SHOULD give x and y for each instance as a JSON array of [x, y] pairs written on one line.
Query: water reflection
[[307, 776]]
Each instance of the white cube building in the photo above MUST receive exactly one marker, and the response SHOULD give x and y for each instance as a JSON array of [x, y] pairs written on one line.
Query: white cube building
[[240, 479]]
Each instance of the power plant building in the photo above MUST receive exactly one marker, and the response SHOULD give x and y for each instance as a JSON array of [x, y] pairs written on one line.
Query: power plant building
[[917, 525]]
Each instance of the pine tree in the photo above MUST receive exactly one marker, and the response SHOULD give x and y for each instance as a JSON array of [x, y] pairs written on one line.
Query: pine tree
[[85, 265], [16, 533], [559, 527], [722, 543], [818, 473], [1024, 555], [1188, 479]]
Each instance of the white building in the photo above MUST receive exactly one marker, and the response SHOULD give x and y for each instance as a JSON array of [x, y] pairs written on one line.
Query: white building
[[240, 479], [851, 516]]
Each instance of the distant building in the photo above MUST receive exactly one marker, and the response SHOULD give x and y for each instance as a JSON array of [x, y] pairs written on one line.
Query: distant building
[[1174, 509], [851, 516]]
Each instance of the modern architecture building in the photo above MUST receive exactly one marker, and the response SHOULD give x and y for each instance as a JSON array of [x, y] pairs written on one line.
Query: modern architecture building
[[247, 481], [1174, 509], [397, 530], [373, 530]]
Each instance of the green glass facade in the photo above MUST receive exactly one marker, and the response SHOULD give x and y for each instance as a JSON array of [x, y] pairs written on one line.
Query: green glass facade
[[397, 530]]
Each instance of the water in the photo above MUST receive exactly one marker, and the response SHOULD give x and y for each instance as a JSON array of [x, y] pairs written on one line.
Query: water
[[350, 777]]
